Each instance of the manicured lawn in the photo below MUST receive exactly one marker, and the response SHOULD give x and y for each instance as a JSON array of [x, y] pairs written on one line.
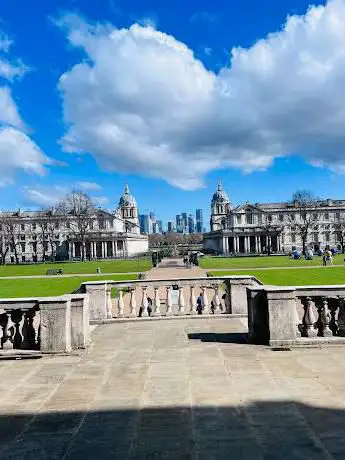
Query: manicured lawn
[[263, 262], [41, 287], [106, 266], [291, 277]]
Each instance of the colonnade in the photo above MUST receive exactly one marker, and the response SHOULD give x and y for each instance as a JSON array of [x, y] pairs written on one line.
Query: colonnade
[[261, 242], [108, 249]]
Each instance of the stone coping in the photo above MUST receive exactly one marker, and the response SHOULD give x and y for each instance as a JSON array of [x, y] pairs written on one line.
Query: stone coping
[[300, 290], [36, 300], [208, 280], [165, 318]]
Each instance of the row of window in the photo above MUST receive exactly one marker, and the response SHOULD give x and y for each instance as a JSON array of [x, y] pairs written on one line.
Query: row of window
[[102, 224], [249, 217]]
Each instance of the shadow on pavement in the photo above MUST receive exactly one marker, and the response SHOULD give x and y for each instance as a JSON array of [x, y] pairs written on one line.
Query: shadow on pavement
[[239, 338], [259, 431]]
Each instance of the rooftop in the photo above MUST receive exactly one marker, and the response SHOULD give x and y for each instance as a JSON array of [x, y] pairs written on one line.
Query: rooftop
[[177, 389]]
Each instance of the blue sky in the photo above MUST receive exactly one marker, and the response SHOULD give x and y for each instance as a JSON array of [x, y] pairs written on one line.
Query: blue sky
[[166, 105]]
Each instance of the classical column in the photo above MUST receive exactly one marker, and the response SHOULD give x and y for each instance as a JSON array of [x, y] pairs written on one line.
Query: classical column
[[73, 250], [248, 243], [225, 245], [245, 244], [236, 244], [259, 244], [115, 248], [103, 250]]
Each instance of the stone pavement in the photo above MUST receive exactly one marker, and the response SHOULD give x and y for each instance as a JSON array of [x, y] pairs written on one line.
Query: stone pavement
[[174, 268], [174, 389]]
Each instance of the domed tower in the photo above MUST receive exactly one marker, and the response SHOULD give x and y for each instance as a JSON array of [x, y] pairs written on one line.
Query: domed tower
[[220, 209], [129, 210]]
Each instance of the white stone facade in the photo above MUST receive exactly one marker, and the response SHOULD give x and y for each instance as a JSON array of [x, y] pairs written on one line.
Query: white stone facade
[[263, 227], [110, 235]]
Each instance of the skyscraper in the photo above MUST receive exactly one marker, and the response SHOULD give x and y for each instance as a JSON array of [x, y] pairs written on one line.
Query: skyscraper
[[144, 221], [191, 225], [170, 226], [184, 218], [199, 221], [179, 226], [159, 226]]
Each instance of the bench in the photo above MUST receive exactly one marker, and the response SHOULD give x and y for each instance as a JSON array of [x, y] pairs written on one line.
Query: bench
[[54, 272]]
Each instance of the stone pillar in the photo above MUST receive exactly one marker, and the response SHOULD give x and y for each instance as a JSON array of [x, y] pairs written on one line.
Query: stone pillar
[[236, 243], [103, 250], [282, 316], [80, 328], [55, 324], [237, 293], [98, 299], [73, 250], [225, 245]]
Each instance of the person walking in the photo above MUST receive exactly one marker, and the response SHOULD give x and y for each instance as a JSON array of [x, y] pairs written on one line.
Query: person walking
[[330, 257], [324, 259], [199, 304]]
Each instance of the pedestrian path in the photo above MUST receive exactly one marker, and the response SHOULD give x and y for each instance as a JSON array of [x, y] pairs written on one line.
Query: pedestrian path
[[174, 269]]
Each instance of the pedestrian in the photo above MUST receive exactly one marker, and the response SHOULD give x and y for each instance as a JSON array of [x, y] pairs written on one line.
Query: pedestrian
[[199, 304], [330, 257], [324, 260], [149, 306]]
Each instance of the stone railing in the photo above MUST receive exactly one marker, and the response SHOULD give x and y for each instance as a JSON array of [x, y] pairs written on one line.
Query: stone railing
[[300, 315], [172, 297], [45, 324]]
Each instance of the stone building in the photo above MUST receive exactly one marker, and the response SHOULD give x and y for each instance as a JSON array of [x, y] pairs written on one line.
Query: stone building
[[274, 227], [42, 235]]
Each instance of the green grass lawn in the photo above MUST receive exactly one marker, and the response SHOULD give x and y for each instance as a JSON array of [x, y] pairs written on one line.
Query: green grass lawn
[[291, 277], [41, 287], [106, 266], [263, 262]]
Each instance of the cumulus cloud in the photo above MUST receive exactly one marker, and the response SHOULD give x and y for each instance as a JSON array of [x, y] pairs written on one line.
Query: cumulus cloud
[[142, 102], [9, 69], [17, 150]]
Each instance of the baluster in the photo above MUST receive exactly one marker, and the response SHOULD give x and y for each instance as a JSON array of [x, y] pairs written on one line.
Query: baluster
[[206, 305], [120, 305], [323, 320], [36, 325], [333, 307], [157, 303], [8, 332], [169, 311], [109, 304], [341, 317], [308, 320], [216, 300], [144, 302], [297, 320], [16, 318], [133, 304], [181, 302], [193, 310]]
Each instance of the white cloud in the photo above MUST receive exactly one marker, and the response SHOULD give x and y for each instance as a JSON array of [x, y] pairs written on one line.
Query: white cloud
[[88, 185], [49, 195], [143, 103], [100, 200], [9, 111], [44, 196], [208, 51], [17, 150]]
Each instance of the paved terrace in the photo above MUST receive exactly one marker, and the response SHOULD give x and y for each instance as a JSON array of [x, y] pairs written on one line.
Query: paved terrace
[[176, 389]]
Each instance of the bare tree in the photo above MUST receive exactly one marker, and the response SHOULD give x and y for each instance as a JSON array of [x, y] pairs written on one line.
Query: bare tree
[[77, 210], [306, 214], [5, 238], [48, 223], [10, 229], [339, 227]]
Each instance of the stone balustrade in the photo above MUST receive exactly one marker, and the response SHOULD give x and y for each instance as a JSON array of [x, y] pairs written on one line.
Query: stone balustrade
[[45, 324], [171, 297], [300, 315]]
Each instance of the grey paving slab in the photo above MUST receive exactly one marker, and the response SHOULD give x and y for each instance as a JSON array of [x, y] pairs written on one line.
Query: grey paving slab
[[179, 389]]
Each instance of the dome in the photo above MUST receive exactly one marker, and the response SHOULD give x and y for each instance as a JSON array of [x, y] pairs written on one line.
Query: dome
[[127, 199], [220, 196]]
